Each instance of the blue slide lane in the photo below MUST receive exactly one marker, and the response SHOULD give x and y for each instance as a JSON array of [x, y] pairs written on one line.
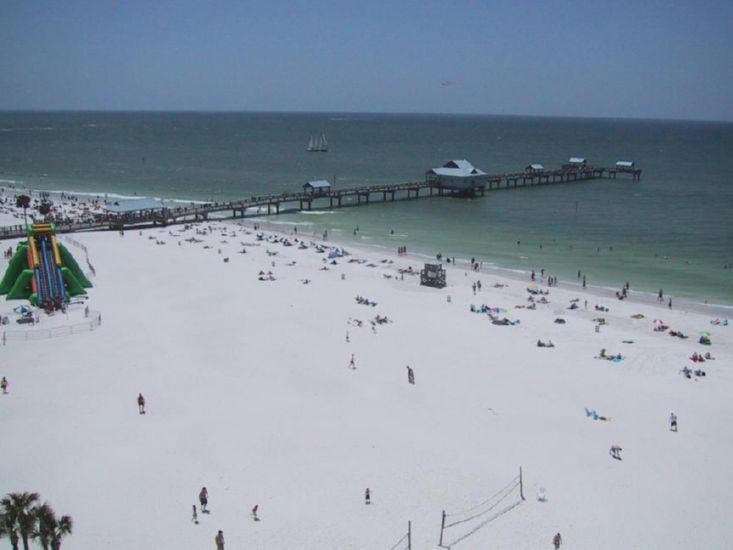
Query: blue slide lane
[[39, 285], [60, 280], [46, 268]]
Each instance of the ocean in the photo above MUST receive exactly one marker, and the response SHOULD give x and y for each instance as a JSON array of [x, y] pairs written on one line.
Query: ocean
[[671, 230]]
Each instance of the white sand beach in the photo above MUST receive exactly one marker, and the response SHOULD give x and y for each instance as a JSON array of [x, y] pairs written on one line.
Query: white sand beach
[[249, 393]]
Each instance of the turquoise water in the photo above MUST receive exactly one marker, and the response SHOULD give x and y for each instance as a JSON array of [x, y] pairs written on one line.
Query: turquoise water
[[672, 230]]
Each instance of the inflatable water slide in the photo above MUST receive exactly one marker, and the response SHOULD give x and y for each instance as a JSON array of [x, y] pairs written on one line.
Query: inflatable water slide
[[43, 271]]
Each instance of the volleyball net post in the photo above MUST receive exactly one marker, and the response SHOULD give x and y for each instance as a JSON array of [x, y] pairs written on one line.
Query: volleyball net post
[[406, 539], [521, 484], [442, 528]]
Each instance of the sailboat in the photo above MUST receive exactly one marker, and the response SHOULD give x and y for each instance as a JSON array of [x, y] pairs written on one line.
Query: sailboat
[[317, 144]]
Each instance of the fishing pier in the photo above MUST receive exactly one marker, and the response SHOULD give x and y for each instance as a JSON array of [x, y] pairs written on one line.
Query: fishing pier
[[322, 198]]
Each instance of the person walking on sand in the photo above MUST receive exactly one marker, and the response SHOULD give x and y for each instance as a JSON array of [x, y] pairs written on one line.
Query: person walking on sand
[[352, 364], [4, 385], [669, 304], [410, 375], [219, 540], [615, 452], [140, 403], [673, 422], [557, 540], [254, 512], [367, 496], [195, 516], [204, 500]]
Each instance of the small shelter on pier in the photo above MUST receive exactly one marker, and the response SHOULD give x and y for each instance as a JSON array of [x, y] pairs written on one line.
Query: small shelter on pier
[[433, 275], [134, 207], [317, 187], [460, 175], [535, 168], [625, 166], [575, 163]]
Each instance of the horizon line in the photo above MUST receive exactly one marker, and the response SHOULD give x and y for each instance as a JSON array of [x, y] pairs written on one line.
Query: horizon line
[[390, 113]]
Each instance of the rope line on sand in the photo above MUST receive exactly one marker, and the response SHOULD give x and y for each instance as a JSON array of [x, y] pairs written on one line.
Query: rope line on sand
[[399, 542]]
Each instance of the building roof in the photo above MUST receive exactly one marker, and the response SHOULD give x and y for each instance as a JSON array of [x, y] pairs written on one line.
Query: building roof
[[576, 160], [457, 169], [123, 206], [536, 167], [625, 164], [319, 184]]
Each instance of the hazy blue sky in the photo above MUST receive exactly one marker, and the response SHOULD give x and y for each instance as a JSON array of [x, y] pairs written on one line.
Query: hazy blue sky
[[646, 58]]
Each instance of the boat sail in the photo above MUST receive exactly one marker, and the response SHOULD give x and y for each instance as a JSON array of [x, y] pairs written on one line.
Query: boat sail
[[317, 144]]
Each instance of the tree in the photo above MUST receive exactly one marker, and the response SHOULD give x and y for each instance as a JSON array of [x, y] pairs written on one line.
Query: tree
[[46, 525], [23, 201], [44, 208], [62, 529], [19, 508], [9, 529]]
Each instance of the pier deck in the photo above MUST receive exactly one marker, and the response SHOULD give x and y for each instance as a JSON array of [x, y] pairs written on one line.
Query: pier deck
[[327, 199]]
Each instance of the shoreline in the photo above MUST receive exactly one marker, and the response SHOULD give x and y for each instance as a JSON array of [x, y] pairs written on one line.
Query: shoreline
[[698, 304], [600, 292]]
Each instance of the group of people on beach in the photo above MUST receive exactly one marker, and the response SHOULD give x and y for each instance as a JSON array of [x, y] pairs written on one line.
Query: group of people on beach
[[551, 280], [204, 502]]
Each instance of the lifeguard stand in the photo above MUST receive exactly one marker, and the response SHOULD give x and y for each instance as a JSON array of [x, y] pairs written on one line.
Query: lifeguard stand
[[433, 275]]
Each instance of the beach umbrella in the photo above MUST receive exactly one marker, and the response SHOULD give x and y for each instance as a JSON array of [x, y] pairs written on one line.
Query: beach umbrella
[[22, 309]]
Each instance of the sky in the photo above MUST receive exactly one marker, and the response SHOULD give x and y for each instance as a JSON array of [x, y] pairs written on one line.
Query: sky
[[648, 59]]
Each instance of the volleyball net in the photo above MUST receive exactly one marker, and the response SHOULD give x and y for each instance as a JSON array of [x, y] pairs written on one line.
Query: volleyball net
[[458, 526]]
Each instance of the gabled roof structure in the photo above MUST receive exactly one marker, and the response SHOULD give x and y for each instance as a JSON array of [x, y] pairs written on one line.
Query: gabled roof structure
[[318, 184], [457, 169], [124, 206]]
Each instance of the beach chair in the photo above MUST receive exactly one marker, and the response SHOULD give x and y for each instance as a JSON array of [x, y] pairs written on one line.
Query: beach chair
[[541, 494]]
